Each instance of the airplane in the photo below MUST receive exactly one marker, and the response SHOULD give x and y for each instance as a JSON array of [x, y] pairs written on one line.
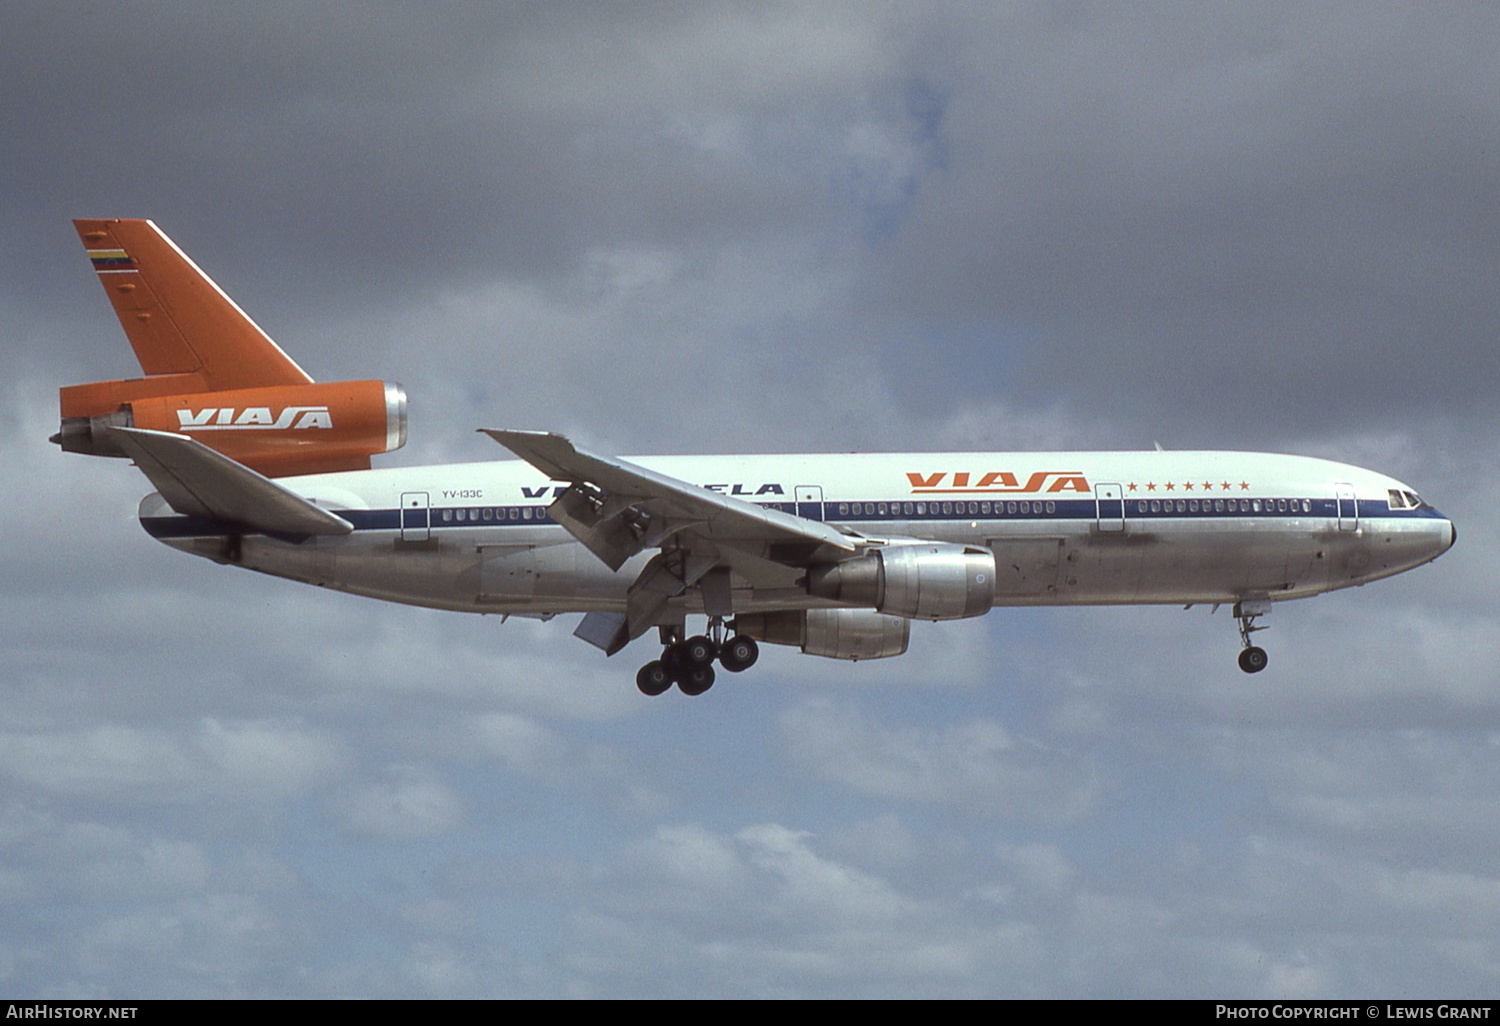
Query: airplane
[[258, 466]]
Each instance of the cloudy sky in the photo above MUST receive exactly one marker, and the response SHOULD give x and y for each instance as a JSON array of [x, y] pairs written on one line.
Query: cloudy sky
[[775, 227]]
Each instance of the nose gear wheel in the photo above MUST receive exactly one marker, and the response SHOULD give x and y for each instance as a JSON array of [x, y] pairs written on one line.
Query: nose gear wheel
[[1253, 658]]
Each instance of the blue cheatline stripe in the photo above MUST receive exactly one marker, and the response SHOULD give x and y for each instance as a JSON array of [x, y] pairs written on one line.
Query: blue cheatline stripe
[[881, 512]]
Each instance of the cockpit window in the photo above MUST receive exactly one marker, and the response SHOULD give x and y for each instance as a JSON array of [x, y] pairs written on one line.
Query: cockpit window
[[1399, 499]]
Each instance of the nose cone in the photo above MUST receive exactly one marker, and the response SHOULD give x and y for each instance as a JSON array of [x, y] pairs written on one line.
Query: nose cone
[[1441, 534]]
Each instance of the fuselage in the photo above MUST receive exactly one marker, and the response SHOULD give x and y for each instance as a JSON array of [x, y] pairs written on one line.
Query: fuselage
[[1066, 528]]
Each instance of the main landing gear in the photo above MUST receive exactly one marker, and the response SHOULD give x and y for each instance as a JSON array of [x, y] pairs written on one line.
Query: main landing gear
[[1253, 658], [689, 664]]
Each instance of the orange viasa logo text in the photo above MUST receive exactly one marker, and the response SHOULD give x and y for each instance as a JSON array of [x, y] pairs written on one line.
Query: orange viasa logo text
[[998, 482]]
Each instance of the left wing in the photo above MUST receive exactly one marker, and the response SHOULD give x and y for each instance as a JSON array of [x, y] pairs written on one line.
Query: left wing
[[617, 509]]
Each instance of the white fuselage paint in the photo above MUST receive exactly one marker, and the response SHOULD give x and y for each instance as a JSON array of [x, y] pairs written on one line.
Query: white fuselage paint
[[1249, 526]]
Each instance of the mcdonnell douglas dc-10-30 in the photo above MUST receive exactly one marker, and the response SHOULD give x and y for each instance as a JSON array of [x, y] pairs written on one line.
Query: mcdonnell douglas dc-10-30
[[257, 465]]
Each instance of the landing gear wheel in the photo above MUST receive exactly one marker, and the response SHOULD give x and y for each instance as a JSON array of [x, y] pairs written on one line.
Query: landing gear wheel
[[698, 651], [738, 653], [1253, 659], [653, 678], [696, 680]]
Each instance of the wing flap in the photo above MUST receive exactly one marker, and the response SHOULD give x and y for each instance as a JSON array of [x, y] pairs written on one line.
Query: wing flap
[[197, 481]]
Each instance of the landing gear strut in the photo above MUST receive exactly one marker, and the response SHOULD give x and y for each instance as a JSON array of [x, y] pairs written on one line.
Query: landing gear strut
[[689, 664], [1253, 658]]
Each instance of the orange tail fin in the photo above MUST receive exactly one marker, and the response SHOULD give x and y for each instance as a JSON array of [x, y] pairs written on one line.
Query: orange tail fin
[[177, 320], [210, 368]]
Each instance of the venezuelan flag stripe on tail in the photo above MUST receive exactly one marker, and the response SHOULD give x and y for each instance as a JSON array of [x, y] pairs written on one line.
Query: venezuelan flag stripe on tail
[[107, 261]]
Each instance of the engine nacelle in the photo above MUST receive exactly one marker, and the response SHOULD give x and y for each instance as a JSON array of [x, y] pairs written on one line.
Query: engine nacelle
[[835, 633], [277, 430], [927, 581]]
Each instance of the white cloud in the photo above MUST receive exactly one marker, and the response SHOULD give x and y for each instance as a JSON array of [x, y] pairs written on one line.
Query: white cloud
[[252, 761], [977, 764], [405, 804]]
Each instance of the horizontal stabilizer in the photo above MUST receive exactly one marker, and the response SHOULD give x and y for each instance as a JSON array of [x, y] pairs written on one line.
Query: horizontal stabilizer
[[197, 481]]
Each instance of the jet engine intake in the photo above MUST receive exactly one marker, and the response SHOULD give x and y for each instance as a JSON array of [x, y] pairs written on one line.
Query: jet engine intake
[[927, 581]]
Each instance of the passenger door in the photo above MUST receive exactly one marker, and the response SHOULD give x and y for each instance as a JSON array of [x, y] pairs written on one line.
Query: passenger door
[[415, 517], [1110, 500]]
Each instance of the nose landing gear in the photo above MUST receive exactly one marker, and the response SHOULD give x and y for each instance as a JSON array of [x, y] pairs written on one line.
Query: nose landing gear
[[689, 664], [1253, 658]]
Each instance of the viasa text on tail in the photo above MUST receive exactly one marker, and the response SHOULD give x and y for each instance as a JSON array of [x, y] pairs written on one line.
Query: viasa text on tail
[[257, 465]]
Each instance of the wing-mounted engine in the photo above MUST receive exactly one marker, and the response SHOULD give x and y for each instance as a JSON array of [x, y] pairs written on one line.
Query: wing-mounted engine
[[852, 634], [924, 581], [279, 430]]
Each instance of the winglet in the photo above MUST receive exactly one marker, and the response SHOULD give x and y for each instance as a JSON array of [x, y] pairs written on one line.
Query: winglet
[[197, 481]]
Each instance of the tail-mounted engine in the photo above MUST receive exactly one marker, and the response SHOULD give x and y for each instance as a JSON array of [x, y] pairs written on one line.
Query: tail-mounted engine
[[278, 430], [925, 581]]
